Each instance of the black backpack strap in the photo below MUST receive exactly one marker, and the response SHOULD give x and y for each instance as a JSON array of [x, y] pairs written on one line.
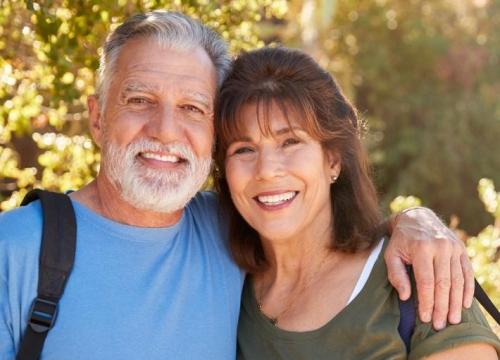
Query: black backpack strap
[[57, 255], [408, 312], [484, 300], [407, 315]]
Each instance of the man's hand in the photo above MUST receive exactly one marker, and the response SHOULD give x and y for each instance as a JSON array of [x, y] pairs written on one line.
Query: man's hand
[[443, 272]]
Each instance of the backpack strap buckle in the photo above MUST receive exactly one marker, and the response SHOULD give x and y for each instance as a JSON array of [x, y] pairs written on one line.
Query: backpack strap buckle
[[42, 315]]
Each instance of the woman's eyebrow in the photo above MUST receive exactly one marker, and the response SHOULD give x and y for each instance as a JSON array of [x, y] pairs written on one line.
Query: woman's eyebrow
[[282, 131], [240, 139], [286, 130]]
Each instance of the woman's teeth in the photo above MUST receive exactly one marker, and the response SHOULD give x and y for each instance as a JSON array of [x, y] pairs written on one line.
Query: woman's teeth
[[276, 199]]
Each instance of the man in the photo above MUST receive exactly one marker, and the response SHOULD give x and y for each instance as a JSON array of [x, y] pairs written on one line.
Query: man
[[152, 277]]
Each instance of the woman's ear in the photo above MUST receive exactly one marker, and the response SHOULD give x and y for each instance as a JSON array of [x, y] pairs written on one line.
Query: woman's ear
[[334, 162], [95, 122]]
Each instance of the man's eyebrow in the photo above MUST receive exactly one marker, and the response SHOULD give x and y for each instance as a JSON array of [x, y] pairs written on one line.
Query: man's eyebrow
[[201, 97]]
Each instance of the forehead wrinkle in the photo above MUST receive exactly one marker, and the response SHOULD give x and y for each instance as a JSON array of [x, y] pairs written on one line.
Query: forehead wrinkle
[[147, 68], [155, 68], [135, 85]]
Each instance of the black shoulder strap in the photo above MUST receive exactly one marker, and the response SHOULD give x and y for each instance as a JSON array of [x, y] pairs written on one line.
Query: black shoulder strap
[[57, 255], [408, 316], [484, 300], [408, 313]]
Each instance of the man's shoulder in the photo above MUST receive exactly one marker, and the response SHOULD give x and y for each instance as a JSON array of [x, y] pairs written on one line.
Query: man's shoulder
[[207, 214], [21, 228], [205, 202]]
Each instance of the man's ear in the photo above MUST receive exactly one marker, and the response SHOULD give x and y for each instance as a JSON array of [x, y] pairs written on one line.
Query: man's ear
[[95, 118]]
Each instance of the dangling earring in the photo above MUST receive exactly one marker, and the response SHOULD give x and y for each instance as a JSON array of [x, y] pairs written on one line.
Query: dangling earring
[[333, 178]]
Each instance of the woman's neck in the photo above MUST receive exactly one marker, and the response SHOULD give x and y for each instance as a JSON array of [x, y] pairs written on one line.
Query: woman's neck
[[292, 258], [291, 262], [307, 282]]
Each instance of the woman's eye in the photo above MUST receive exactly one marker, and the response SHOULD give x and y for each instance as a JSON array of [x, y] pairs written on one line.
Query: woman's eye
[[291, 141], [243, 150]]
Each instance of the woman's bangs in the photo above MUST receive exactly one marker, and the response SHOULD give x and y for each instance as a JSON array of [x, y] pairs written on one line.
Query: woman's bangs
[[295, 112], [294, 107]]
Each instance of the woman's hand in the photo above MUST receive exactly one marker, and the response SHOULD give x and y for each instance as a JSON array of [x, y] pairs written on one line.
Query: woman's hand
[[443, 272]]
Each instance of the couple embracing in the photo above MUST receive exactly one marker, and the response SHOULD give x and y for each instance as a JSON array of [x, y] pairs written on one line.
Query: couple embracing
[[292, 234]]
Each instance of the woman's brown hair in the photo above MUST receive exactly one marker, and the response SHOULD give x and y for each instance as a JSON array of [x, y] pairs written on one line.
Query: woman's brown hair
[[294, 81]]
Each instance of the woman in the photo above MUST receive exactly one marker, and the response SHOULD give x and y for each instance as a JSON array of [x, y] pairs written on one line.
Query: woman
[[291, 163]]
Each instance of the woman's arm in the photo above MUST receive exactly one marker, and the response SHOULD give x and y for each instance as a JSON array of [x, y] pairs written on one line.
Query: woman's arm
[[467, 352]]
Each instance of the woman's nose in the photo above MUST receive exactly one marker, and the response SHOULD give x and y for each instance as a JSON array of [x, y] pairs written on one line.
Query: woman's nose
[[269, 165]]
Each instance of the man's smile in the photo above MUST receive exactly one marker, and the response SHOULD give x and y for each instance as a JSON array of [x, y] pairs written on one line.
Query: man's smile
[[161, 159]]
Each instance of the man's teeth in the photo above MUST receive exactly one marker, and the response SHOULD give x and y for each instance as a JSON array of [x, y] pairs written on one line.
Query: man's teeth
[[160, 157], [276, 199]]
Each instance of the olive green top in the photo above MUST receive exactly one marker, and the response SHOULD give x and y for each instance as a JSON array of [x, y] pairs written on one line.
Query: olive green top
[[367, 328]]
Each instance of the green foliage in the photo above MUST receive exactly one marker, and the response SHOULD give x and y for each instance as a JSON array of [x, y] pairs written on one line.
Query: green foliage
[[484, 249], [429, 96], [404, 202], [48, 61]]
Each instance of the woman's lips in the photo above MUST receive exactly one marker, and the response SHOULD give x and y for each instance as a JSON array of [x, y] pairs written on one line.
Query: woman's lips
[[275, 200]]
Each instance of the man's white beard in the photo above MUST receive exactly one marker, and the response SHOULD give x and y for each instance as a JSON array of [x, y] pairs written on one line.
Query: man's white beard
[[146, 188]]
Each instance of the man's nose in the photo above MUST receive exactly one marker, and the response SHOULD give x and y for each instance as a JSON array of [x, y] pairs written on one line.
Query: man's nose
[[269, 165], [166, 125]]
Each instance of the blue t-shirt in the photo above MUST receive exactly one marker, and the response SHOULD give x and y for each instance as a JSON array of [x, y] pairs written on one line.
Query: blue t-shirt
[[134, 293]]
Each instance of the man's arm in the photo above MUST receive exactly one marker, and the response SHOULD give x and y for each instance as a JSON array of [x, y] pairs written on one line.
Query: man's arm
[[443, 272], [6, 341]]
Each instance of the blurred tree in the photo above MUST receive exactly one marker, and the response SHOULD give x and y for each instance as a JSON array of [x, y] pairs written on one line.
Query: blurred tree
[[48, 60], [401, 203], [424, 75], [484, 249]]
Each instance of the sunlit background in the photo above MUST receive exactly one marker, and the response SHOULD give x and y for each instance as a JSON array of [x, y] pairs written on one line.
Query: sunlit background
[[424, 75]]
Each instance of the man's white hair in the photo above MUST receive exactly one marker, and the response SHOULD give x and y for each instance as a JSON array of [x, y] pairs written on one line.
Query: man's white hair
[[170, 29]]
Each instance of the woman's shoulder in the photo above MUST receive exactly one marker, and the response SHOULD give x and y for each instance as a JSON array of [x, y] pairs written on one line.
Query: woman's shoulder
[[473, 328]]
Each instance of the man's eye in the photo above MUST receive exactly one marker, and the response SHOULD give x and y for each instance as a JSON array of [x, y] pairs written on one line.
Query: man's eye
[[138, 100], [192, 108]]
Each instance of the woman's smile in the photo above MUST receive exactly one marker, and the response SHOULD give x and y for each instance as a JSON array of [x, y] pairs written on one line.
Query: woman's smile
[[275, 200]]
